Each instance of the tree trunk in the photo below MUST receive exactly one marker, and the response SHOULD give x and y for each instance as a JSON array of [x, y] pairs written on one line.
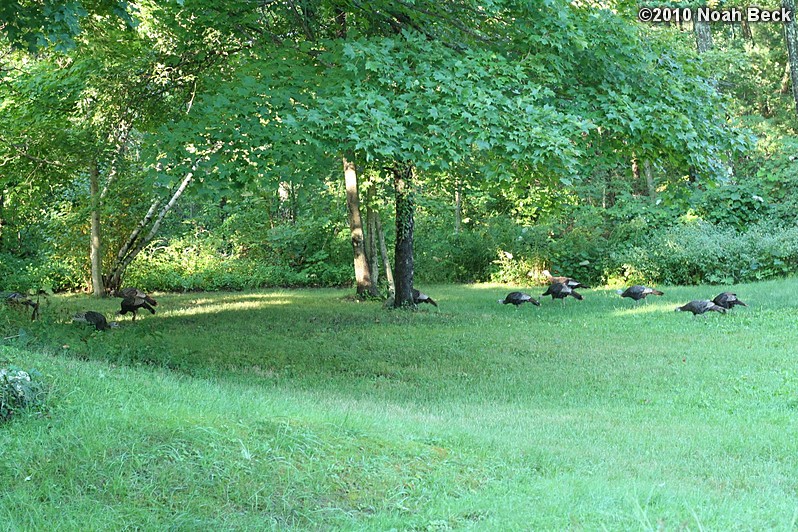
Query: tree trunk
[[95, 253], [2, 220], [385, 260], [458, 205], [135, 242], [372, 251], [403, 255], [286, 202], [703, 35], [362, 274], [652, 190], [791, 38], [340, 21], [747, 35]]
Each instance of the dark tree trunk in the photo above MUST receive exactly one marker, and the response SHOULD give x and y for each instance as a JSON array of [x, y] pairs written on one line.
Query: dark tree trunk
[[747, 35], [791, 38], [340, 21], [403, 256]]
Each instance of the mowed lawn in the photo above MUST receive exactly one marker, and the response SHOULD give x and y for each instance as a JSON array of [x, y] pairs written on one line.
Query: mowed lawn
[[303, 409]]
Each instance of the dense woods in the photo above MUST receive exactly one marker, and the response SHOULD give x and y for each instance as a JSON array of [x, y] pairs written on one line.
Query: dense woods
[[189, 144]]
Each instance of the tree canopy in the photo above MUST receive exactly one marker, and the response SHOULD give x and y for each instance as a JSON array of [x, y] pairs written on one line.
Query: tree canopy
[[531, 108]]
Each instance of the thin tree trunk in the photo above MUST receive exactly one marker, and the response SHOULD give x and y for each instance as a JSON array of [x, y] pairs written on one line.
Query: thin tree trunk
[[458, 205], [386, 262], [372, 251], [362, 275], [791, 38], [284, 194], [128, 246], [652, 190], [135, 243], [340, 20], [747, 35], [403, 256], [703, 35], [95, 253], [2, 220]]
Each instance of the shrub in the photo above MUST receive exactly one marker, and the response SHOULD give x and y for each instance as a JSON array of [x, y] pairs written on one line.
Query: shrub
[[19, 391], [700, 252], [38, 272]]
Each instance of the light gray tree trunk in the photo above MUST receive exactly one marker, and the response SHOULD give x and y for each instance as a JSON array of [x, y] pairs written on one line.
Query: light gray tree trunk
[[386, 261], [791, 38], [372, 247], [95, 253], [363, 282], [458, 205], [136, 242], [652, 190], [703, 35]]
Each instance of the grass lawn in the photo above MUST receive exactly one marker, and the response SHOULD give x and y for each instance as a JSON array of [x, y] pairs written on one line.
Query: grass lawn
[[303, 409]]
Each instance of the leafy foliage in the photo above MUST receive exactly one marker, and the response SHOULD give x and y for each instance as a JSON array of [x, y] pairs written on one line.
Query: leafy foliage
[[20, 391], [700, 252]]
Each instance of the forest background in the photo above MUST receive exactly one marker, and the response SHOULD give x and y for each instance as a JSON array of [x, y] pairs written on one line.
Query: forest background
[[204, 145]]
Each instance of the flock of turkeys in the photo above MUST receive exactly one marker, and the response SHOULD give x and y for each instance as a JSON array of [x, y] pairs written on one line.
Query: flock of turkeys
[[559, 287], [562, 287], [133, 300]]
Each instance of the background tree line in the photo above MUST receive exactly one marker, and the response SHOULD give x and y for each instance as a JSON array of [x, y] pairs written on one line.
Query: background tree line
[[236, 144]]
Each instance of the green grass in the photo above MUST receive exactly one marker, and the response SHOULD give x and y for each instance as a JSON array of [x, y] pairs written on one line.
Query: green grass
[[304, 409]]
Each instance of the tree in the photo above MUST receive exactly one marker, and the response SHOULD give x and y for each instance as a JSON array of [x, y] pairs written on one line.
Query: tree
[[362, 268], [409, 104], [791, 39], [703, 34], [36, 25]]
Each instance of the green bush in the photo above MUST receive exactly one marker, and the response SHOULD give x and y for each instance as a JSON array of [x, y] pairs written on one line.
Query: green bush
[[19, 391], [185, 266], [442, 256], [43, 271], [738, 206], [700, 252]]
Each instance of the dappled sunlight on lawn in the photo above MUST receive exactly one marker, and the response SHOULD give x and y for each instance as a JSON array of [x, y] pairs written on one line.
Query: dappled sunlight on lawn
[[646, 308], [209, 306], [484, 287]]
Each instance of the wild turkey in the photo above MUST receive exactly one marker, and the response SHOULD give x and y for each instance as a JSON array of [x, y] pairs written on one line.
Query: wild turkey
[[561, 291], [519, 298], [421, 297], [727, 300], [134, 303], [638, 292], [571, 283], [699, 306], [136, 293], [94, 318], [17, 299]]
